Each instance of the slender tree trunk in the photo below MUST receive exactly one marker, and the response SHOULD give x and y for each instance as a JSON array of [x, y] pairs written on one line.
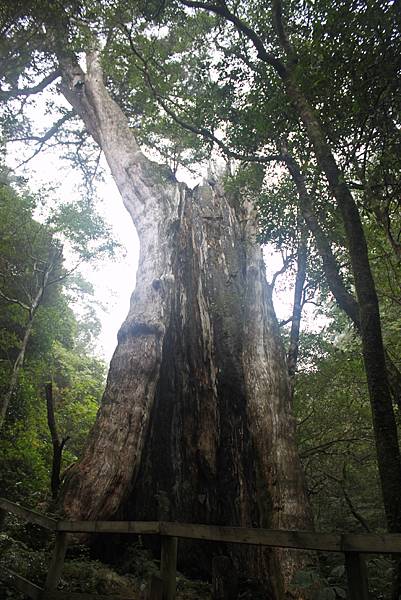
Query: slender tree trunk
[[384, 424], [57, 443], [195, 423], [293, 348], [18, 364], [370, 327], [344, 298], [19, 361]]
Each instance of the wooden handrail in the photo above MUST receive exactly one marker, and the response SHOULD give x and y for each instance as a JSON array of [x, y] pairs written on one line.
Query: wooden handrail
[[136, 527], [352, 545], [306, 540], [29, 515], [388, 543]]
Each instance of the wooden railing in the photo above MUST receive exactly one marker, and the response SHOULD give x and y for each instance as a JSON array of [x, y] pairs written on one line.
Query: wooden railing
[[353, 546]]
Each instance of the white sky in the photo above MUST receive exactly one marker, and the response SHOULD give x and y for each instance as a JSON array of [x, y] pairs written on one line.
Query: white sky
[[114, 281]]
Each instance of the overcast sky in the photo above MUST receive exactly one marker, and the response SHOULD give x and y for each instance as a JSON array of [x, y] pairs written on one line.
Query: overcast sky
[[114, 281]]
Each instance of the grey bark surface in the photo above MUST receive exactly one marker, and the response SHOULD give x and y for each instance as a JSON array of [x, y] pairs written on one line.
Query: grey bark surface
[[195, 423]]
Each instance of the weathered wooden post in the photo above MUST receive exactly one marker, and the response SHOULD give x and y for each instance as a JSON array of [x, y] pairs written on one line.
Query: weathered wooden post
[[357, 576], [57, 561], [168, 566]]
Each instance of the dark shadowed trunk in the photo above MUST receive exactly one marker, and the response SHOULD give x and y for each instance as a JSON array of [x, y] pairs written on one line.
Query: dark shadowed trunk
[[195, 423], [57, 443]]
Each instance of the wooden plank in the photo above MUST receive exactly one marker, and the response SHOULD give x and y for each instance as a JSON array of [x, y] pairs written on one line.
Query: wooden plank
[[57, 561], [29, 515], [58, 595], [20, 583], [168, 567], [139, 527], [357, 577], [258, 537], [389, 543], [155, 588]]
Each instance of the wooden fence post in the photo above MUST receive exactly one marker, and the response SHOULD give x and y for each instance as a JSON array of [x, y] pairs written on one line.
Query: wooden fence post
[[357, 576], [168, 566], [57, 561]]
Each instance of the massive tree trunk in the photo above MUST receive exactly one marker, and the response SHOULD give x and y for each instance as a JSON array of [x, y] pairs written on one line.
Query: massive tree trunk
[[195, 423]]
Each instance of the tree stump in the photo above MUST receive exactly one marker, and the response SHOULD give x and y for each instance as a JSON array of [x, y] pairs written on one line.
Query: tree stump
[[224, 579]]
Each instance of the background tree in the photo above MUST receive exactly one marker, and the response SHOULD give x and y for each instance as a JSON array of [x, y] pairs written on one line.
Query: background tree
[[37, 328]]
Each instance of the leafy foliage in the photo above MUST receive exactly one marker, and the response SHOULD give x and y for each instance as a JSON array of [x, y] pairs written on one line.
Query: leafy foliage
[[54, 348]]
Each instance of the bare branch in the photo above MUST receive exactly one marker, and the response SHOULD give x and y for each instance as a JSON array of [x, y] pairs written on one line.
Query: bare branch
[[286, 263], [323, 447], [205, 133], [14, 301], [299, 301], [353, 510], [41, 140], [14, 93]]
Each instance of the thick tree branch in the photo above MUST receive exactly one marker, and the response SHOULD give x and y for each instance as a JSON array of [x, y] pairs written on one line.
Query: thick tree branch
[[197, 130], [277, 10], [222, 10], [15, 92]]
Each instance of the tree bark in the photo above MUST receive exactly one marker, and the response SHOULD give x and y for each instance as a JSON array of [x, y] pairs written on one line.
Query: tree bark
[[386, 438], [195, 423]]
